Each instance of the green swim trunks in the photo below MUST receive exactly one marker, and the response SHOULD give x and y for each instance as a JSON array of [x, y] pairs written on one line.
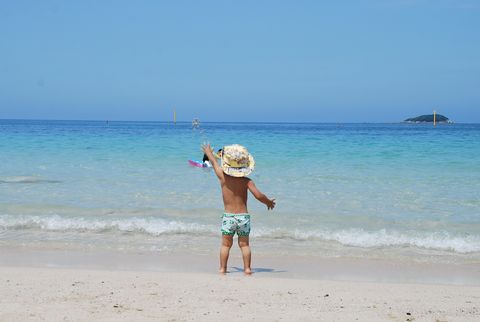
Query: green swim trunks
[[236, 223]]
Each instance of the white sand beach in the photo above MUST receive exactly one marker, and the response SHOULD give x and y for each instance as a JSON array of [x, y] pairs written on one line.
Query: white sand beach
[[36, 292], [48, 294]]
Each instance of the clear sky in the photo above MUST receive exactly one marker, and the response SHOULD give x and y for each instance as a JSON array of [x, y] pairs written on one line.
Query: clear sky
[[318, 61]]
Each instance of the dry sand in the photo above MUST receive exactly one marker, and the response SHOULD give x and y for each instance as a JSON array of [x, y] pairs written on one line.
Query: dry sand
[[71, 294]]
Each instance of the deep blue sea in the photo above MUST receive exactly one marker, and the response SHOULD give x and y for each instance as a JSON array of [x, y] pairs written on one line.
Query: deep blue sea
[[378, 190]]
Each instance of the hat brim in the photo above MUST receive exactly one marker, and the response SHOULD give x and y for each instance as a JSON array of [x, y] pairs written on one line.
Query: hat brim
[[239, 172]]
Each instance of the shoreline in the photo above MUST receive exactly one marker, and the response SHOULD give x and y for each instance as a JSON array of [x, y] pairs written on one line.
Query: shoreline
[[74, 285], [271, 266]]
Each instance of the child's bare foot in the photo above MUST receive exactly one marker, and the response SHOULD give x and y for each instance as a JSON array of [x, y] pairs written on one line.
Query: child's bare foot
[[222, 271], [248, 271]]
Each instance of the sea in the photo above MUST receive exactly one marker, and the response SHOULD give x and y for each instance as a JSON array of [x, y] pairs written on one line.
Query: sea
[[403, 191]]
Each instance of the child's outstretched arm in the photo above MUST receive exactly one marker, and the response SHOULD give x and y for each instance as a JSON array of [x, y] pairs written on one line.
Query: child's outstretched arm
[[270, 203], [207, 149]]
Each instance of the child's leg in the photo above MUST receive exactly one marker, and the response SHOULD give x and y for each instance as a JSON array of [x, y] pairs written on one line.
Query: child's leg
[[227, 241], [244, 243]]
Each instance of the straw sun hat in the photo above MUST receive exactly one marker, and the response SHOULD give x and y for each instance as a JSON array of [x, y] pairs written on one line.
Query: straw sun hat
[[236, 161]]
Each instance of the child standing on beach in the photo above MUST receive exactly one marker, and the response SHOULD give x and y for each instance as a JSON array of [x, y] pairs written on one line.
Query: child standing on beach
[[236, 165]]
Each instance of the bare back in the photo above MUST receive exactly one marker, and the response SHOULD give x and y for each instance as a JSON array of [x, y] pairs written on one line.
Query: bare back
[[235, 190], [235, 194]]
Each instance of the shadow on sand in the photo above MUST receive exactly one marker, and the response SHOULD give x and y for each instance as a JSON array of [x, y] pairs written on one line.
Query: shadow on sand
[[256, 270]]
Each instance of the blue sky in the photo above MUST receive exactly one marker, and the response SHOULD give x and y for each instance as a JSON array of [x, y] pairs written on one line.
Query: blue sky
[[321, 61]]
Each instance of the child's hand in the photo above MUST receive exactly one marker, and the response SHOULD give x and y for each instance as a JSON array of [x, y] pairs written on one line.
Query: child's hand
[[271, 204], [206, 148]]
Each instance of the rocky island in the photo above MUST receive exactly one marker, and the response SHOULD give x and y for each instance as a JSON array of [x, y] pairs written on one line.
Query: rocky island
[[428, 119]]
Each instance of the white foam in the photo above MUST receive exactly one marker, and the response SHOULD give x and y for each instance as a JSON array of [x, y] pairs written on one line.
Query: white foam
[[151, 226], [26, 179], [385, 238], [460, 243]]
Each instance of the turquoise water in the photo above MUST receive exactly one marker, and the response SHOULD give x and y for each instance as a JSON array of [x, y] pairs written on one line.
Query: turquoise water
[[342, 189]]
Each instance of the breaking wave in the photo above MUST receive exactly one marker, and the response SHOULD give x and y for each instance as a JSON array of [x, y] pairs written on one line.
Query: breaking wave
[[154, 226], [26, 179], [386, 238], [151, 226]]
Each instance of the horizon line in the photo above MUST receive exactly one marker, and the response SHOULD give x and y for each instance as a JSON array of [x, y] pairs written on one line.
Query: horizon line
[[240, 122]]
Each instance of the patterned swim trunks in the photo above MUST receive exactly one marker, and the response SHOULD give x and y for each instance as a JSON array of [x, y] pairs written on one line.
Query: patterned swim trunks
[[236, 223]]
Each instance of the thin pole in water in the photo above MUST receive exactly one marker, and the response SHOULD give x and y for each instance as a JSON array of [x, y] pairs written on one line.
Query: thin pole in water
[[434, 118], [174, 117]]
